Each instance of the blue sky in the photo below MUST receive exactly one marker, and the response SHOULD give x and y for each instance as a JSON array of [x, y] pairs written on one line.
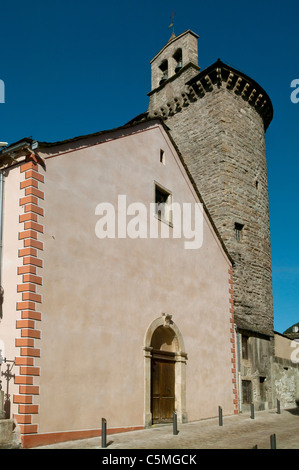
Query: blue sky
[[72, 67]]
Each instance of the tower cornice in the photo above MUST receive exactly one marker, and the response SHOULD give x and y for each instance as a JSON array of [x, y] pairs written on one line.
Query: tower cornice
[[216, 75], [237, 81]]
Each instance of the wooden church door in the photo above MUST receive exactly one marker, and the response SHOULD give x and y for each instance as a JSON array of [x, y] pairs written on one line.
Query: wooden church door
[[163, 386]]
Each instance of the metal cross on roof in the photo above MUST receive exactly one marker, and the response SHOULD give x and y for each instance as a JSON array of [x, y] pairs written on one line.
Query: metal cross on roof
[[172, 22]]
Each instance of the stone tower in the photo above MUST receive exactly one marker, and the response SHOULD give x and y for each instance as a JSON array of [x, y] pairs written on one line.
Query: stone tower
[[218, 118]]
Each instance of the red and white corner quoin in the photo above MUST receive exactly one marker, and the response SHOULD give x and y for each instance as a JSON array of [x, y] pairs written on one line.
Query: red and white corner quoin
[[31, 281]]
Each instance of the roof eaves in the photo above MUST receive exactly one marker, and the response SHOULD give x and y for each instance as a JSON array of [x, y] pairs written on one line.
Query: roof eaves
[[134, 122]]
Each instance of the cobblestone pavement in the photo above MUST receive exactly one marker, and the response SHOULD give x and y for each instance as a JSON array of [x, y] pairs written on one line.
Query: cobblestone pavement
[[237, 432]]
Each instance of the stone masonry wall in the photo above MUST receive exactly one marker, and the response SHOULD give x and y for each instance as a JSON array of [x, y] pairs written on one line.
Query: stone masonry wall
[[286, 382]]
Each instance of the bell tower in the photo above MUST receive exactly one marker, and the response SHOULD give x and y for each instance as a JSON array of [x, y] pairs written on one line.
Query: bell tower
[[172, 67]]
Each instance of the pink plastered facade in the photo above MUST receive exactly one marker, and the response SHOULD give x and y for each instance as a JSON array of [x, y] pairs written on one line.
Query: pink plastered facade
[[86, 309]]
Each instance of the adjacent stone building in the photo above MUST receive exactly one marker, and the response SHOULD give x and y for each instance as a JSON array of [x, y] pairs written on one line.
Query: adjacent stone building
[[285, 370]]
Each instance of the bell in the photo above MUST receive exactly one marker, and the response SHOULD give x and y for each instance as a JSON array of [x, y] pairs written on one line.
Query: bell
[[179, 66], [164, 77]]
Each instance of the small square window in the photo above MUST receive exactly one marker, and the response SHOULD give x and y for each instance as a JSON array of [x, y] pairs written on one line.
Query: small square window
[[163, 200], [239, 231]]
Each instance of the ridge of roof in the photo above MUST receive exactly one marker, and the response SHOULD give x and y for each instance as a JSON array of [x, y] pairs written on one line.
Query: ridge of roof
[[129, 124]]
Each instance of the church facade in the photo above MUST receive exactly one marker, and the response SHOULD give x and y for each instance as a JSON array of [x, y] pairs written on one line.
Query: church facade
[[103, 316]]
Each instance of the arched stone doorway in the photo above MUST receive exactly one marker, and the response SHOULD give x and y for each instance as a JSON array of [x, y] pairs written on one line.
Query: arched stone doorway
[[165, 372]]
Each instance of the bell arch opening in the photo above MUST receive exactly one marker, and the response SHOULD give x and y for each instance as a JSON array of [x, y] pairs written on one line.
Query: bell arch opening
[[164, 372]]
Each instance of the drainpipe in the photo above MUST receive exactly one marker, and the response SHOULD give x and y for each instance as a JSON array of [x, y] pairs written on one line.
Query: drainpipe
[[239, 369], [2, 144]]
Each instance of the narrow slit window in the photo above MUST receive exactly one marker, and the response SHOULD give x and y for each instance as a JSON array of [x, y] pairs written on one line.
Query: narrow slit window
[[239, 231], [244, 347], [162, 156]]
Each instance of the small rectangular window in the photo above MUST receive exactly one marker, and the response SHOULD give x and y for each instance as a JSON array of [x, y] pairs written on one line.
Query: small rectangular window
[[163, 200], [239, 231], [162, 156], [245, 347]]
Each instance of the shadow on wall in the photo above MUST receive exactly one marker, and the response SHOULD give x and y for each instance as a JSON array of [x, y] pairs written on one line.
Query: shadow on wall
[[294, 411]]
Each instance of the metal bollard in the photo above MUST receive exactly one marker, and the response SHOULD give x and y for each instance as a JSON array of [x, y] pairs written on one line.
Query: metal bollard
[[175, 424], [278, 407], [104, 433], [273, 441], [252, 410], [220, 416]]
